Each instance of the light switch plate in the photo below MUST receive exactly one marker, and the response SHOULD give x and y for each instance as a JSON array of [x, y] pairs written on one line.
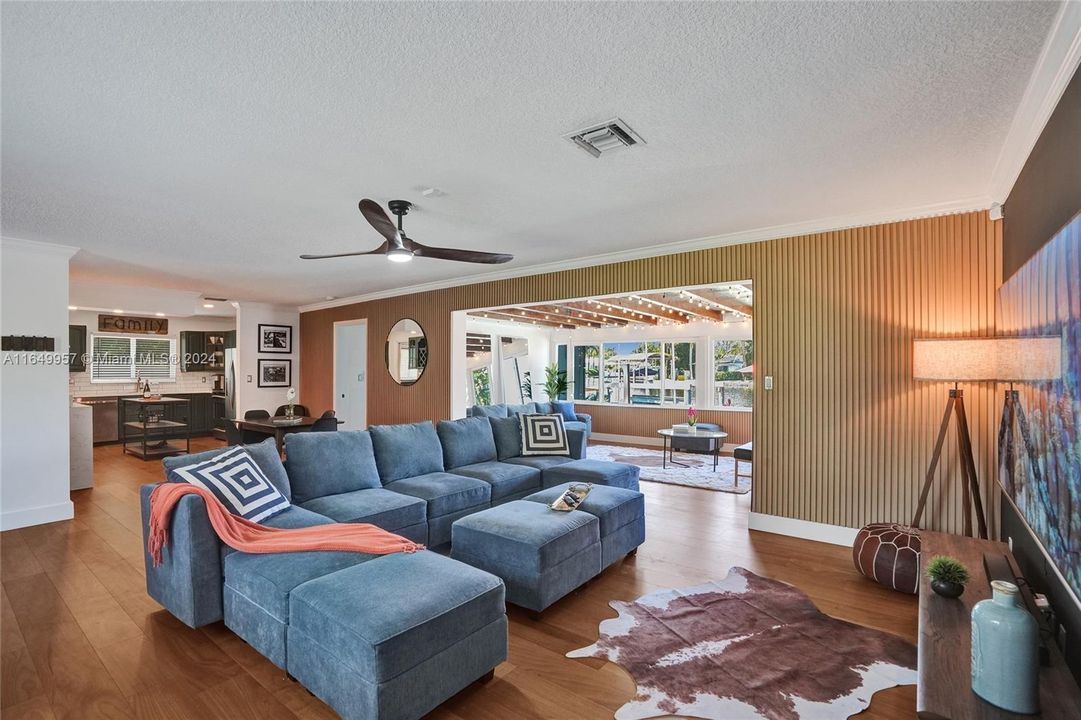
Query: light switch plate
[[249, 378], [769, 382]]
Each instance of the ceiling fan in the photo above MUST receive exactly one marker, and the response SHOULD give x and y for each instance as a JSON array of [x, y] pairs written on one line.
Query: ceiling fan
[[398, 247]]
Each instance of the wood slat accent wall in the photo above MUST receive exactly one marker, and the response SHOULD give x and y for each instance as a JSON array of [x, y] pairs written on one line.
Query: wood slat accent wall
[[644, 422], [845, 436]]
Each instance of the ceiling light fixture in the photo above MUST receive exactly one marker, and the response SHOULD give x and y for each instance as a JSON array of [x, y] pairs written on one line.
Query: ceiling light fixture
[[118, 312], [160, 314], [399, 255], [208, 305], [72, 307]]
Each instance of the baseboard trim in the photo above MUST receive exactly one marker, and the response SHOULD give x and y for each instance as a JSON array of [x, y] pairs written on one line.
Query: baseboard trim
[[40, 515], [647, 441], [820, 532]]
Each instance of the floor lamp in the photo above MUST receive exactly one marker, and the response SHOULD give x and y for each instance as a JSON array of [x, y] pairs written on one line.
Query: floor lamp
[[955, 360], [1020, 360]]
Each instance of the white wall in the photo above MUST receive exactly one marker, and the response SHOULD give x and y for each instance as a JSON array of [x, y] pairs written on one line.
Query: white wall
[[34, 413], [249, 395], [186, 382]]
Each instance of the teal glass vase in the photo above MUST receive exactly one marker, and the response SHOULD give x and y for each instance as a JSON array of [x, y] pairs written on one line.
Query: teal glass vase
[[1005, 651]]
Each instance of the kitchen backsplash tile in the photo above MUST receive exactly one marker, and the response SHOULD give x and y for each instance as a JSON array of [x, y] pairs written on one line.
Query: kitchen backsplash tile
[[186, 382]]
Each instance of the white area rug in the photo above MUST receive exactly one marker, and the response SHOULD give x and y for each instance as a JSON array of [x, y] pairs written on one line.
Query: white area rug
[[700, 474]]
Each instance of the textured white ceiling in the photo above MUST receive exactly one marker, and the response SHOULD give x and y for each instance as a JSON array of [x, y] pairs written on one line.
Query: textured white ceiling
[[204, 146]]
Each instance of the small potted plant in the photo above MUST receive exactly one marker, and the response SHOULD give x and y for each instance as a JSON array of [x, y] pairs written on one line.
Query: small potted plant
[[947, 575], [692, 417]]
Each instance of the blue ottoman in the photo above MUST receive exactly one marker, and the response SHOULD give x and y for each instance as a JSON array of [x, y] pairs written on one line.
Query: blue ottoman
[[598, 472], [393, 637], [621, 513], [541, 554]]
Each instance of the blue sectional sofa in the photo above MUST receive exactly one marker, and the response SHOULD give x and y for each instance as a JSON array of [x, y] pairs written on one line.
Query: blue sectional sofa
[[581, 421], [375, 637]]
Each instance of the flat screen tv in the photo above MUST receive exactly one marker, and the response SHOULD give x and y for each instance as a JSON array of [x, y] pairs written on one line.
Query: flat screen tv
[[1044, 298]]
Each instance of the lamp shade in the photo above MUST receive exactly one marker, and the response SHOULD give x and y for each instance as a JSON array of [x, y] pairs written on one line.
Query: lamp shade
[[1029, 359], [1009, 359], [954, 359]]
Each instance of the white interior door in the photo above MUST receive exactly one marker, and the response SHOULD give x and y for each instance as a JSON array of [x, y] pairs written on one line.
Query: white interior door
[[350, 374]]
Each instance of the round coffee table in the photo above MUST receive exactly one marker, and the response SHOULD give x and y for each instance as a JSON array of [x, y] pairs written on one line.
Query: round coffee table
[[715, 438]]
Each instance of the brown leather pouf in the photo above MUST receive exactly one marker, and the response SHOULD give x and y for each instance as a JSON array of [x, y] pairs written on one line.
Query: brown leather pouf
[[889, 554]]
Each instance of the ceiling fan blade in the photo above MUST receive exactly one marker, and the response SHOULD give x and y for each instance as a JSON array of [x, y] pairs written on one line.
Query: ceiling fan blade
[[472, 256], [382, 249], [378, 219]]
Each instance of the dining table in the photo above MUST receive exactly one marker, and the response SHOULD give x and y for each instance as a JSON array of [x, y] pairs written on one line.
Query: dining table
[[277, 427]]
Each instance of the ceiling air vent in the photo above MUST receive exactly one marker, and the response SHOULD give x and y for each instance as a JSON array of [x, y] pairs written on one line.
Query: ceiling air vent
[[605, 138]]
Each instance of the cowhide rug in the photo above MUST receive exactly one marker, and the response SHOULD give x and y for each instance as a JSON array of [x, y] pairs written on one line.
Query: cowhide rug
[[747, 647]]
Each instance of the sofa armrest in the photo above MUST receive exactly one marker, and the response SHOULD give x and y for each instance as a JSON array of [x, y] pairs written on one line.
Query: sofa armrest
[[587, 419], [577, 441], [189, 581]]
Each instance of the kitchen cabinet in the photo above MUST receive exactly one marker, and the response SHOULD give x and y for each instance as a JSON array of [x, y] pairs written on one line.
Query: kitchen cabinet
[[193, 355], [230, 339], [217, 413], [77, 348]]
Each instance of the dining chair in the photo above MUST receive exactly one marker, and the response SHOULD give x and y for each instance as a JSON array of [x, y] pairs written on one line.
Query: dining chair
[[326, 423], [256, 415], [297, 410], [233, 434]]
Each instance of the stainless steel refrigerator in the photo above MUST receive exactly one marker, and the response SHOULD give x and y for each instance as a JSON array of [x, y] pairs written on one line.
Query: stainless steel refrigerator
[[230, 383]]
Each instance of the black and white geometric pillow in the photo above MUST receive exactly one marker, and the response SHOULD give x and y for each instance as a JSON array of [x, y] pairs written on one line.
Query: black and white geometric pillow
[[544, 435], [238, 483]]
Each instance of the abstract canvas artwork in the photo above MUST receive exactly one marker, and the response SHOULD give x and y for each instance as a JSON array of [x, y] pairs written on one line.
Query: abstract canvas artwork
[[1044, 298]]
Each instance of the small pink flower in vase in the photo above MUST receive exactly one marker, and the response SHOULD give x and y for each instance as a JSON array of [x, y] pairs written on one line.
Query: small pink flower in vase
[[692, 417]]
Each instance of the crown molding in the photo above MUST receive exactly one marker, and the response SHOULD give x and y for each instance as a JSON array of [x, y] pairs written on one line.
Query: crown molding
[[37, 248], [1054, 70], [774, 232]]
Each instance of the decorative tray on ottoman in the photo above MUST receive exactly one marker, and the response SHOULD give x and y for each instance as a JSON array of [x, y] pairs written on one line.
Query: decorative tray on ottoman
[[571, 499]]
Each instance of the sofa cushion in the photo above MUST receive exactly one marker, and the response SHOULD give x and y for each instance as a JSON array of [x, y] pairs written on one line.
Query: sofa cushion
[[505, 479], [490, 411], [384, 617], [466, 441], [523, 409], [265, 454], [378, 506], [405, 451], [598, 472], [445, 493], [544, 435], [237, 481], [297, 517], [566, 409], [329, 463], [267, 579], [544, 408], [541, 462], [508, 436]]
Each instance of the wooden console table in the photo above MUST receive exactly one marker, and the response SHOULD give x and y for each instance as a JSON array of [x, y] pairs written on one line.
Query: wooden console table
[[944, 684]]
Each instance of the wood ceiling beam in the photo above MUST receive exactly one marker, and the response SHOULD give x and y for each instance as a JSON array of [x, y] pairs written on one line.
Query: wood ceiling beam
[[505, 316], [648, 309], [675, 302], [532, 313], [716, 298], [598, 314]]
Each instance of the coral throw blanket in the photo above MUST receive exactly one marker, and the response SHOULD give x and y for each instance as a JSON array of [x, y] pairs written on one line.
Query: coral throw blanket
[[247, 536]]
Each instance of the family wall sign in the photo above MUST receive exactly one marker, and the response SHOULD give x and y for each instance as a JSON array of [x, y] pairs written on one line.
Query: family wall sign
[[132, 324]]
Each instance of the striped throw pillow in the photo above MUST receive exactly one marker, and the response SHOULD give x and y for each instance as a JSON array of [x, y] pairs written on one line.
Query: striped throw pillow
[[236, 480], [544, 435]]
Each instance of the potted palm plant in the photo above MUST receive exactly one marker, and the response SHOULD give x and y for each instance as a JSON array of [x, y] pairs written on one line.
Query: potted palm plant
[[555, 382]]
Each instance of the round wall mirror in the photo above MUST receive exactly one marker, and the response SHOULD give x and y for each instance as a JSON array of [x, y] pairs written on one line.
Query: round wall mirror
[[407, 351]]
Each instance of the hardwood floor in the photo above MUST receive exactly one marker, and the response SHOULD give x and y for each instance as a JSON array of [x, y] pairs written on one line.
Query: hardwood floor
[[79, 638]]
